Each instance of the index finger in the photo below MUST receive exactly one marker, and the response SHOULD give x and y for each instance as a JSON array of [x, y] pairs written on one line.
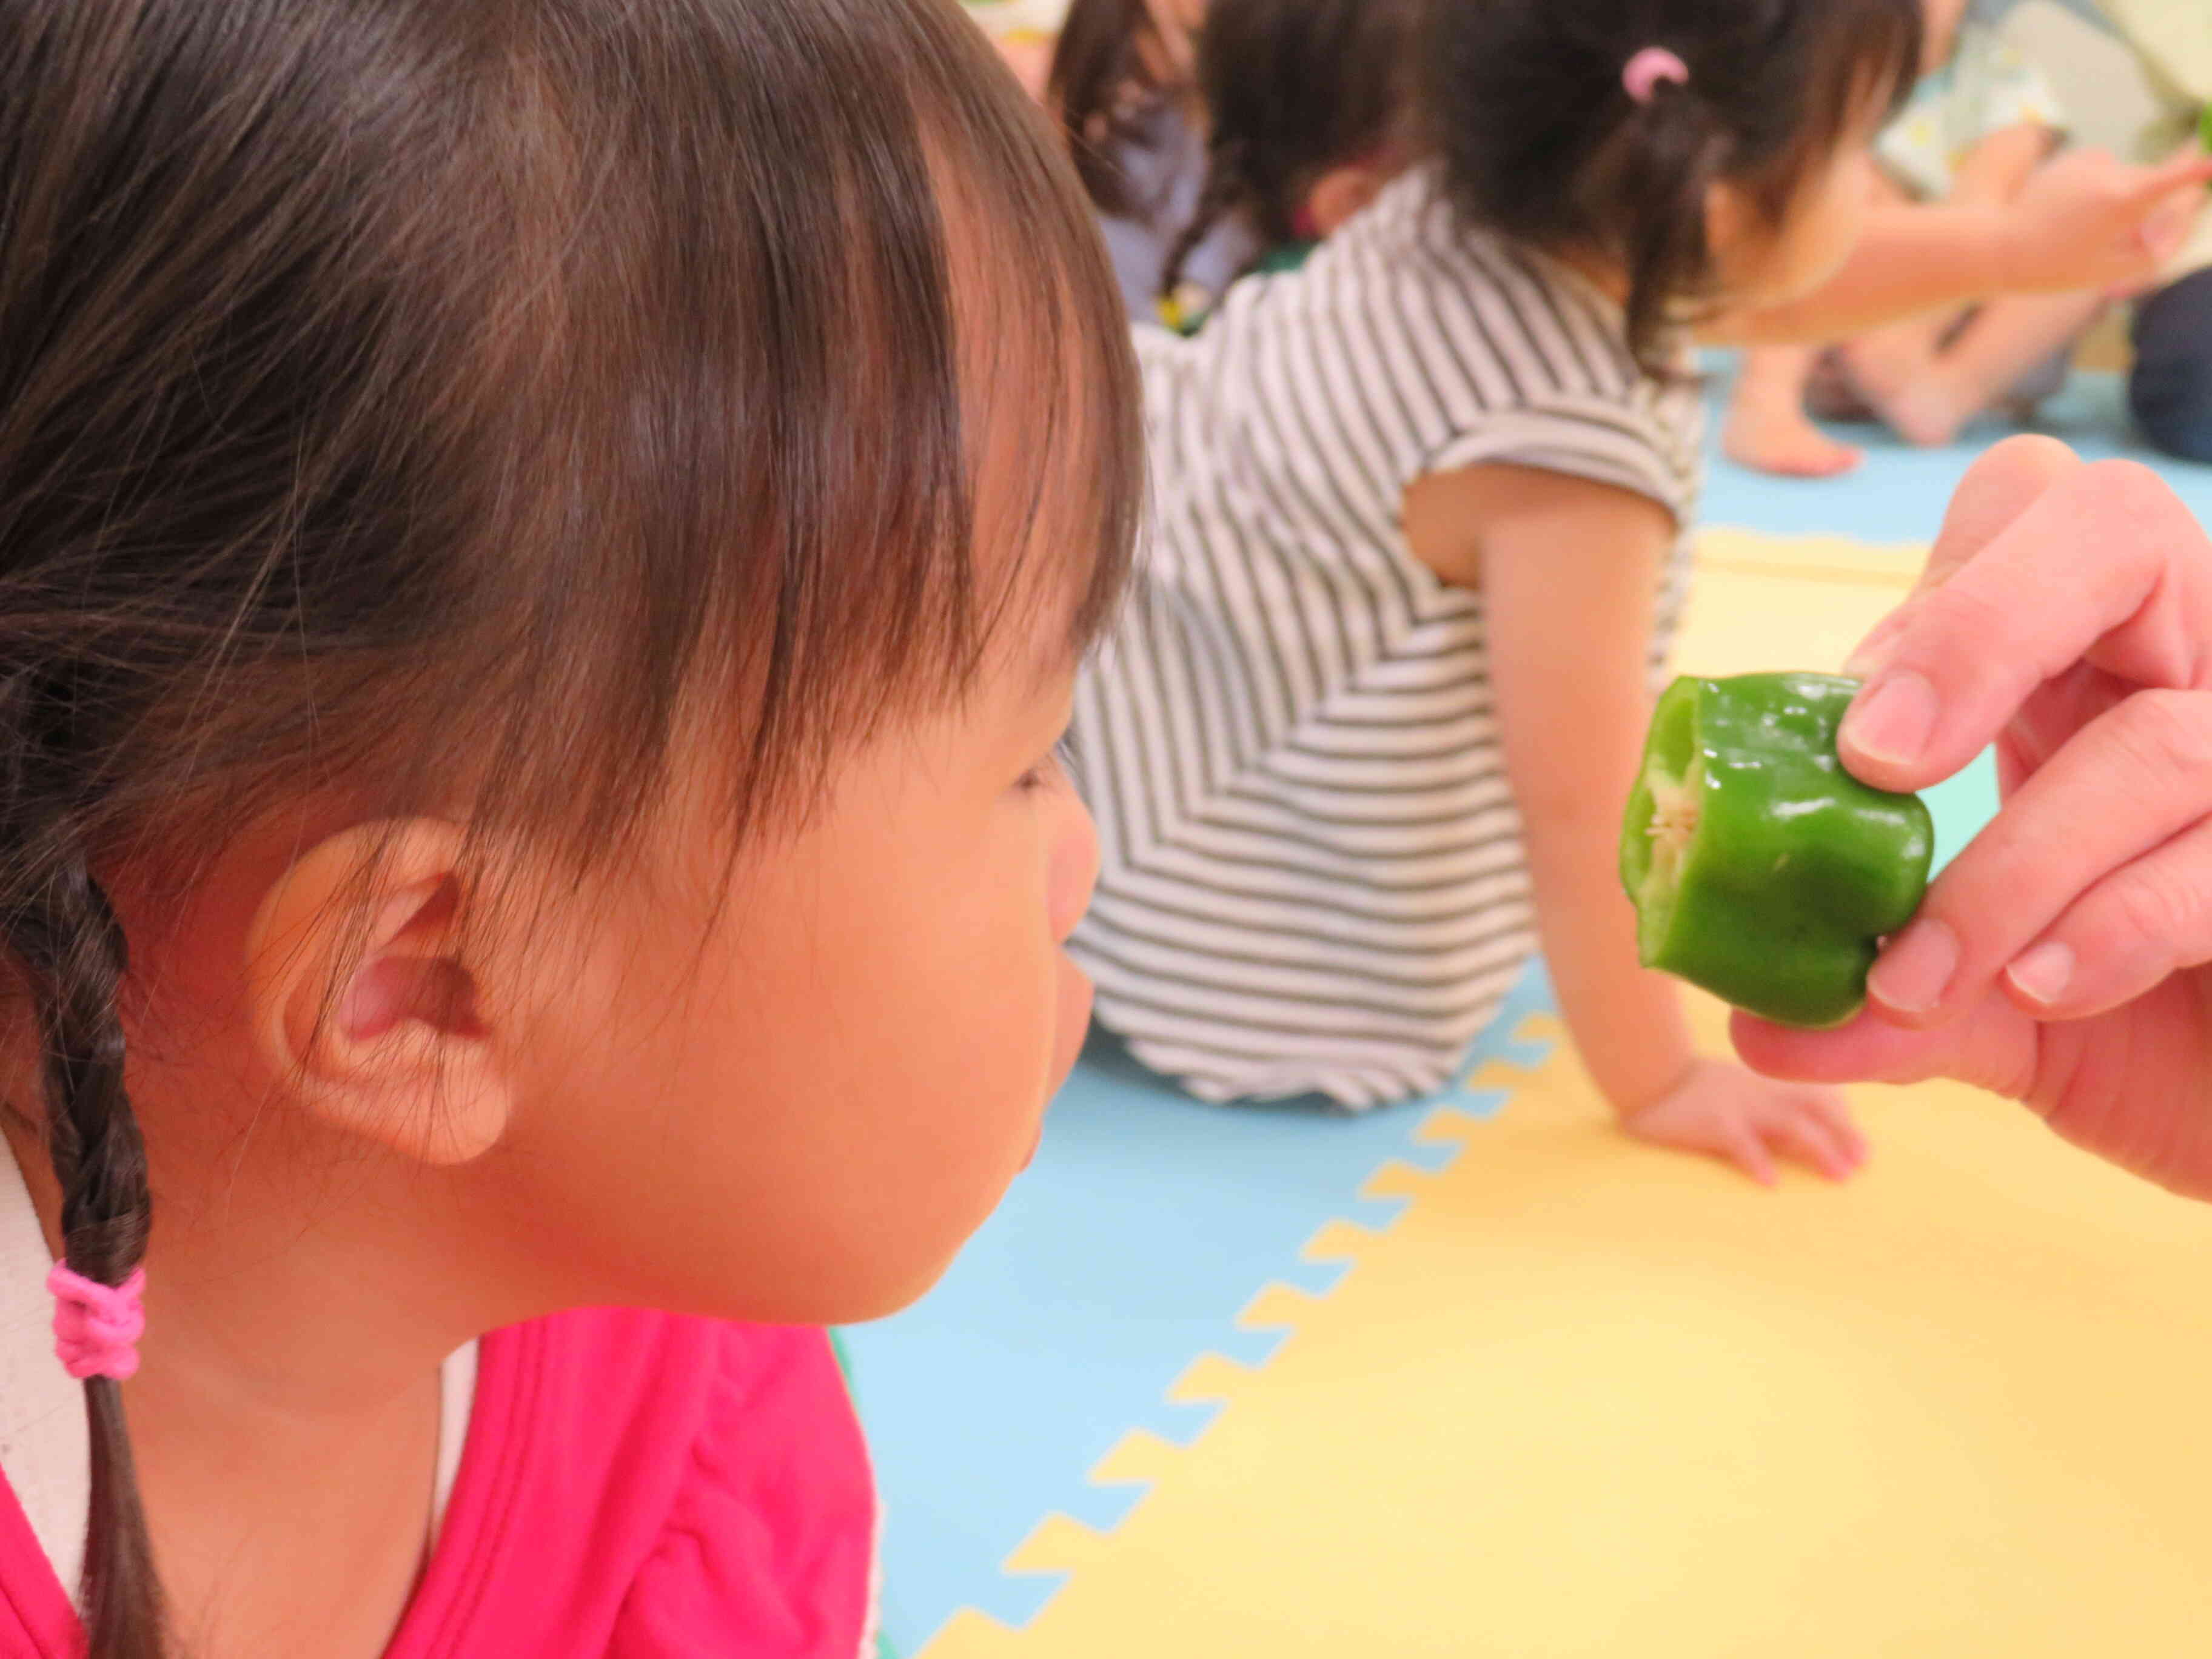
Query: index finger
[[1997, 488], [2190, 166], [2107, 566]]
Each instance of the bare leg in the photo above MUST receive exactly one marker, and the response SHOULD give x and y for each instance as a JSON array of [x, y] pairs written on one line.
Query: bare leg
[[2006, 339], [1926, 388], [1886, 363], [1997, 169], [1767, 427], [1882, 362]]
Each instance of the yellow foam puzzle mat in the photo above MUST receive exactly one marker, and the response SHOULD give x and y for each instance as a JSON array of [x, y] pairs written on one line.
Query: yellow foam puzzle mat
[[1765, 602], [1586, 1400]]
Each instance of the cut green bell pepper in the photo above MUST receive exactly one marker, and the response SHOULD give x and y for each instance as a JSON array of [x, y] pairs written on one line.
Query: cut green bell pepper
[[1760, 869]]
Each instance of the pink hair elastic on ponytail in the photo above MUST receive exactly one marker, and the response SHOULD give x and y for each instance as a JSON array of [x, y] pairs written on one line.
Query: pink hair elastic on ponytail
[[96, 1325], [1649, 68]]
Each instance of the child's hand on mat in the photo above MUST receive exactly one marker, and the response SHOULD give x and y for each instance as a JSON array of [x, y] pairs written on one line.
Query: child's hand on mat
[[1727, 1113], [2066, 615], [2088, 220]]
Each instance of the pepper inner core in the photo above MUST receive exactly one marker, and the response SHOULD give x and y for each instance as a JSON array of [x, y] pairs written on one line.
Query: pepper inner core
[[1675, 810]]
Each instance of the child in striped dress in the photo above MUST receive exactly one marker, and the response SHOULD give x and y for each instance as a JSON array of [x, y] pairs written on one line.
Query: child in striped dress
[[1418, 545], [1419, 510]]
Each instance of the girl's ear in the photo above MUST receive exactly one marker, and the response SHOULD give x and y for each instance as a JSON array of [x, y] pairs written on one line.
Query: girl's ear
[[1341, 192], [363, 1003], [1731, 222]]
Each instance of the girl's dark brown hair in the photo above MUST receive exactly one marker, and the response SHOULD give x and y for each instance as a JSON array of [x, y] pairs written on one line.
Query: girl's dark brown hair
[[1103, 84], [440, 405], [1541, 142], [1291, 88]]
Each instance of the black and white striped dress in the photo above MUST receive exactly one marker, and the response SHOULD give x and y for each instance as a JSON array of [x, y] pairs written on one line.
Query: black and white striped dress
[[1313, 878]]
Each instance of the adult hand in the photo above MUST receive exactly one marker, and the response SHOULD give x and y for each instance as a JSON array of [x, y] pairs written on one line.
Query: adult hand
[[2088, 220], [2066, 615]]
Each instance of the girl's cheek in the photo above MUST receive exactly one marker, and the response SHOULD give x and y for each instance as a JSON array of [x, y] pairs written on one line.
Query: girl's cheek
[[1072, 874], [1071, 1021]]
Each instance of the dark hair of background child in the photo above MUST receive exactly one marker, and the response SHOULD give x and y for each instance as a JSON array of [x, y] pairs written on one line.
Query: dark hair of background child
[[1101, 86], [1541, 142], [1293, 88], [405, 396]]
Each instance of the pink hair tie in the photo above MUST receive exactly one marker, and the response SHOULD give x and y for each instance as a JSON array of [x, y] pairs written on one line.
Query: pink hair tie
[[96, 1325], [1649, 68]]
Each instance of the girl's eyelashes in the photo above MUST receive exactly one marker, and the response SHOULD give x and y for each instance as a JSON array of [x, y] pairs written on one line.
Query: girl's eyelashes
[[1046, 772]]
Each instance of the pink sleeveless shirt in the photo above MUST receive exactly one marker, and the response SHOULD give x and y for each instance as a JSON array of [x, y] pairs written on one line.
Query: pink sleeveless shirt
[[634, 1486]]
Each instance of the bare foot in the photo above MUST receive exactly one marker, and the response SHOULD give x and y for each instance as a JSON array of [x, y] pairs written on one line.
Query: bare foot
[[1881, 365], [1924, 414], [1783, 440], [1906, 391]]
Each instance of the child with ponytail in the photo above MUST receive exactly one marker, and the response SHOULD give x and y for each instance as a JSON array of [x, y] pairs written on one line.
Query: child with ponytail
[[1419, 538], [1123, 88], [544, 545], [1306, 118]]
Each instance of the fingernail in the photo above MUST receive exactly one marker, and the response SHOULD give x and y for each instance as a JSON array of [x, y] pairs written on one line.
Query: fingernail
[[2042, 973], [1868, 660], [1873, 653], [1893, 720], [1917, 969]]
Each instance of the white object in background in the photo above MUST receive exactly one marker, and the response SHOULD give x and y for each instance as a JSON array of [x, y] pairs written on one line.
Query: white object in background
[[2113, 100], [1002, 19], [2110, 98]]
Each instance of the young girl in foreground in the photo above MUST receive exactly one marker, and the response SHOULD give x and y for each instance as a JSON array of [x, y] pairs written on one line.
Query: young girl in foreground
[[1419, 540], [542, 546]]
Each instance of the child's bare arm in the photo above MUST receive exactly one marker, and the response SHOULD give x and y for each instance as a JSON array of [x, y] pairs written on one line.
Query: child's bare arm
[[2084, 222], [1995, 170], [1569, 568]]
